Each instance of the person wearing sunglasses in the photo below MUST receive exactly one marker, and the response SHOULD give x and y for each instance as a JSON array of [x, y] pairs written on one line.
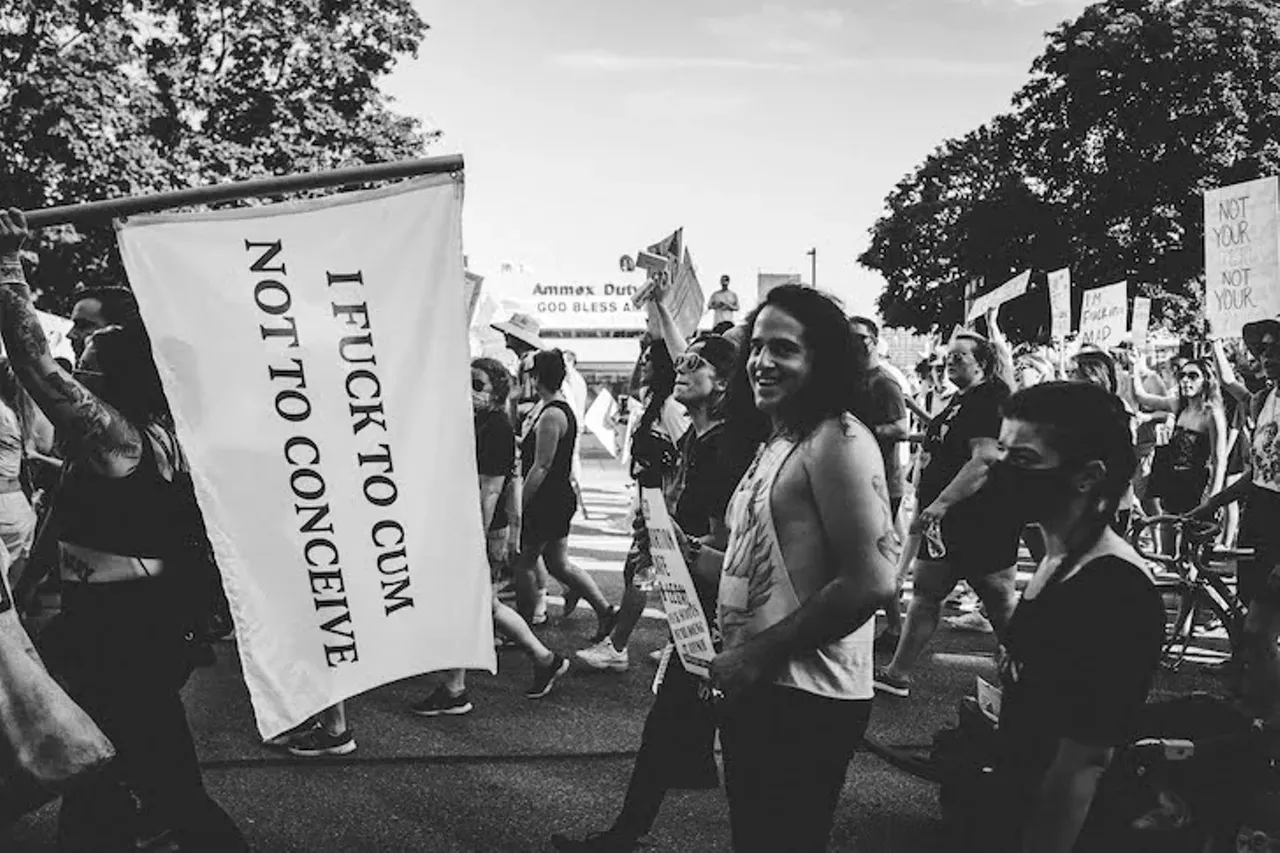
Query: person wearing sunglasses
[[1195, 457], [1259, 488], [495, 461], [677, 747]]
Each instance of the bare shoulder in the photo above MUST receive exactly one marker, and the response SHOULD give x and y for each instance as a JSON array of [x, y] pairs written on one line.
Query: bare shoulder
[[841, 442]]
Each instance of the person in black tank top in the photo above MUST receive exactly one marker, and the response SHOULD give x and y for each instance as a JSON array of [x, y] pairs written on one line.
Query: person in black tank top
[[1070, 697], [120, 643], [548, 501]]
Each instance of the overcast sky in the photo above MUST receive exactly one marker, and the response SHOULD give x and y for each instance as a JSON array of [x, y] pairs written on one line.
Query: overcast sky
[[591, 127]]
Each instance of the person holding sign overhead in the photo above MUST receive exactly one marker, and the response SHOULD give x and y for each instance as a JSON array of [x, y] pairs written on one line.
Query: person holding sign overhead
[[676, 749]]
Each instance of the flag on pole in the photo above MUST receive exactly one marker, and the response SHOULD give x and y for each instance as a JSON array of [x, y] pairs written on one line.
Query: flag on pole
[[684, 297], [318, 372]]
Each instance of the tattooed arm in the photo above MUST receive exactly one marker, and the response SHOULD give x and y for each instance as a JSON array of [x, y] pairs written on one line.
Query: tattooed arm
[[91, 430]]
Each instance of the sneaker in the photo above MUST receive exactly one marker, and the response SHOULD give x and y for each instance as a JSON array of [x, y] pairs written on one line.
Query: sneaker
[[319, 742], [974, 621], [887, 643], [894, 686], [603, 656], [607, 623], [504, 644], [282, 741], [442, 703], [608, 841], [544, 678]]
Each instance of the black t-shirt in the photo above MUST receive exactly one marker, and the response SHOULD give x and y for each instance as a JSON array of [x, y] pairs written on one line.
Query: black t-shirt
[[973, 414], [1081, 659], [706, 478], [883, 403], [495, 453]]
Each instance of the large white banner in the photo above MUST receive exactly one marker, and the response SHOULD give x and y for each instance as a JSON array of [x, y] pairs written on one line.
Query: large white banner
[[318, 373], [1241, 255]]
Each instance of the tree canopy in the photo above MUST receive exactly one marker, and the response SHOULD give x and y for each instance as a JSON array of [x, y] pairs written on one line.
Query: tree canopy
[[1131, 112], [109, 98]]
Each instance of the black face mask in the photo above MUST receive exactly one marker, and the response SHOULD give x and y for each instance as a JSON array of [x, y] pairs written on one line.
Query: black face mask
[[1034, 493]]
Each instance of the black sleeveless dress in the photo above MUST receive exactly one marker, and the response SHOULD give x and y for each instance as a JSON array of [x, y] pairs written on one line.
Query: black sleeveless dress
[[551, 513]]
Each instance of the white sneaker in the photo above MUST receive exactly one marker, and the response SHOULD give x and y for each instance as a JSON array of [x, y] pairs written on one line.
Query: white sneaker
[[604, 656], [973, 621]]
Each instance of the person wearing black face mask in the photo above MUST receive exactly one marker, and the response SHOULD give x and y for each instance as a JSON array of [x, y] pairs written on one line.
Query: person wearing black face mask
[[1070, 697]]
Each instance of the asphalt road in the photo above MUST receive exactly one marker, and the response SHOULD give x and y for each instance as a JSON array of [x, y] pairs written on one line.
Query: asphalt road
[[506, 776]]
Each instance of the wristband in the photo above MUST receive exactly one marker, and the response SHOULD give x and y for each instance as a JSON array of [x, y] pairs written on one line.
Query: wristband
[[11, 271]]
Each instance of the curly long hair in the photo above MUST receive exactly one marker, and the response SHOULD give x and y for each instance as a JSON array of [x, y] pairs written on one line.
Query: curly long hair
[[499, 379], [835, 385]]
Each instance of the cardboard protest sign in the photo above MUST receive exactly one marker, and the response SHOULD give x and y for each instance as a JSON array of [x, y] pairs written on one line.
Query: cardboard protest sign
[[1060, 303], [471, 293], [1103, 314], [688, 623], [1011, 289], [599, 421], [318, 372], [1241, 254], [1141, 321]]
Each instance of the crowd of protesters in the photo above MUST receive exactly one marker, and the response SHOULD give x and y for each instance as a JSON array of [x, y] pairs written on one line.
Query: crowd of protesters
[[787, 451]]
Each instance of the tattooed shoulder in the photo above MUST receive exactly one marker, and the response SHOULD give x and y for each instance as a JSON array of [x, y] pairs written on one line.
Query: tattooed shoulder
[[93, 428]]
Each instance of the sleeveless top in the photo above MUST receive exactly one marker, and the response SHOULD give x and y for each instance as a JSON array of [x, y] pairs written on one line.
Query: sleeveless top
[[1266, 444], [557, 482], [11, 449], [756, 591], [1189, 451], [141, 515]]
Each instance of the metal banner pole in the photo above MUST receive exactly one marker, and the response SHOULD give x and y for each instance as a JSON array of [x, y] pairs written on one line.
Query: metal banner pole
[[111, 208]]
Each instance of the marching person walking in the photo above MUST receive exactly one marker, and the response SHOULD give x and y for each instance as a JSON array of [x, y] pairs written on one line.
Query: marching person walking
[[122, 642]]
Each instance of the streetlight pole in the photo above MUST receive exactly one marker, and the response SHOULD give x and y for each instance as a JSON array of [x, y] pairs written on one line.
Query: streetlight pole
[[813, 275]]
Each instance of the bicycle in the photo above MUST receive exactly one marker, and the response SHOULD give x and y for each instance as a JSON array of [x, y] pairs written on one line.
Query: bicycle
[[1193, 580]]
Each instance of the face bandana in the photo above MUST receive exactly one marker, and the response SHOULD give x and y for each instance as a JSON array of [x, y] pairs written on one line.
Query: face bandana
[[1035, 493]]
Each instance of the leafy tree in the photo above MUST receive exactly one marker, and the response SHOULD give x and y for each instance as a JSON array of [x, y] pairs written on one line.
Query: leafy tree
[[108, 98], [1130, 113]]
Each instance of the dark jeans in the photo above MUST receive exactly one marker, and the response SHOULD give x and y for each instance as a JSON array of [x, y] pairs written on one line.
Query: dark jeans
[[123, 652], [786, 753], [677, 751]]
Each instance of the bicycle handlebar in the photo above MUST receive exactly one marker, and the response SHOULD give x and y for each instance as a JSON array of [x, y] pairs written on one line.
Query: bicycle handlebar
[[1195, 527]]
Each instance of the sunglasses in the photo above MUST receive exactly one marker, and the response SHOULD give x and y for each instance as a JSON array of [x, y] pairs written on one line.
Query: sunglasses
[[479, 385], [690, 362], [1190, 374]]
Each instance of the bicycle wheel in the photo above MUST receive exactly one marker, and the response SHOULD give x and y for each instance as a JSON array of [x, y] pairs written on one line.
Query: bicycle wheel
[[1180, 609]]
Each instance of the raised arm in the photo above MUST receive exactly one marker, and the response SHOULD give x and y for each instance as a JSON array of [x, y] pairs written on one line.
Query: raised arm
[[1151, 402], [90, 429], [658, 309], [1217, 441], [1230, 382]]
